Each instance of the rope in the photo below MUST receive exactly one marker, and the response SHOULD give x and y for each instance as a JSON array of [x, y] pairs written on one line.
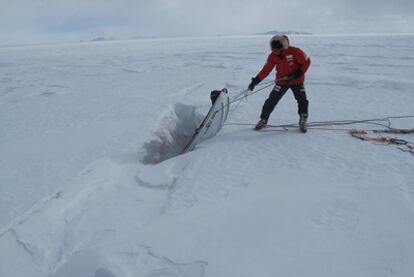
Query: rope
[[403, 145], [375, 121], [244, 94]]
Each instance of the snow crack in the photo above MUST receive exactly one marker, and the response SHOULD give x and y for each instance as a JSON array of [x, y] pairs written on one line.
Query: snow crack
[[177, 126], [26, 246], [150, 264], [37, 208]]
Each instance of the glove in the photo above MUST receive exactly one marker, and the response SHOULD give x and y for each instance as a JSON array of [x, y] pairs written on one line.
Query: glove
[[295, 75], [213, 95], [253, 83]]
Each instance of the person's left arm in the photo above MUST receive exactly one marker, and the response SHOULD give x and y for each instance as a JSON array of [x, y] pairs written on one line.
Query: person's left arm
[[304, 62]]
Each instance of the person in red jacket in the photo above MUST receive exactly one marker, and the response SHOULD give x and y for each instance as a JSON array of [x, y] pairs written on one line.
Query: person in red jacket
[[290, 63]]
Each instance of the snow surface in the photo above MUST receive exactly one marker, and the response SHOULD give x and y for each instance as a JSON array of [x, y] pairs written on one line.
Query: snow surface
[[85, 126]]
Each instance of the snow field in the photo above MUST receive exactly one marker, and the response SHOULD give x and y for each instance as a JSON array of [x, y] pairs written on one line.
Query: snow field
[[83, 192]]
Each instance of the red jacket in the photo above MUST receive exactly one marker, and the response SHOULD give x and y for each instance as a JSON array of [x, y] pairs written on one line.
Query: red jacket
[[290, 60]]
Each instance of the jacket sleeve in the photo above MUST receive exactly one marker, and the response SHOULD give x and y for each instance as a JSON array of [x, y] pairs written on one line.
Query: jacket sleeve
[[267, 68], [303, 60]]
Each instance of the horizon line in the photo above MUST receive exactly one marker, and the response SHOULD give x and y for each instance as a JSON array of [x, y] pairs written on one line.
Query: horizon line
[[113, 39]]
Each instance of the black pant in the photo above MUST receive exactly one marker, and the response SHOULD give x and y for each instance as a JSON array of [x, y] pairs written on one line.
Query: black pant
[[277, 93]]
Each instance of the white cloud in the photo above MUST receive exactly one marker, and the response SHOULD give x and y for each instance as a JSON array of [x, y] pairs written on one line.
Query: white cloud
[[39, 20]]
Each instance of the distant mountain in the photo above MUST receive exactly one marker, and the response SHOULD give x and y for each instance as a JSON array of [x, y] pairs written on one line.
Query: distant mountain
[[285, 33], [102, 38]]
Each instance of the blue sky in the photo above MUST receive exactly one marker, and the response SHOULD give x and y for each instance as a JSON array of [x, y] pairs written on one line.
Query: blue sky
[[72, 20]]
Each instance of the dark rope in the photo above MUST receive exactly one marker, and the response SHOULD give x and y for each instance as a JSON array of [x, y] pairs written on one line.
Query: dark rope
[[375, 121], [402, 144]]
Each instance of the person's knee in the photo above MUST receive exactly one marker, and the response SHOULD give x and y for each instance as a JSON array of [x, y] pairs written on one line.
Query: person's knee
[[301, 95], [277, 88], [276, 94]]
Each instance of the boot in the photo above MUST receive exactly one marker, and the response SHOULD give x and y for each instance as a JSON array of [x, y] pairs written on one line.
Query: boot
[[303, 125], [261, 124]]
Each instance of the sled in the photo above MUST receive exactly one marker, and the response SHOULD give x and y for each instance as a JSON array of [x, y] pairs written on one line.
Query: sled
[[213, 121]]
